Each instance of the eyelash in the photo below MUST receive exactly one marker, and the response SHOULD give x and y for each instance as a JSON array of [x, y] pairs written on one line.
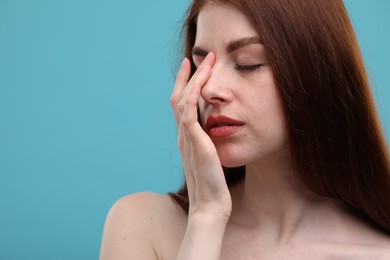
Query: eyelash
[[247, 67]]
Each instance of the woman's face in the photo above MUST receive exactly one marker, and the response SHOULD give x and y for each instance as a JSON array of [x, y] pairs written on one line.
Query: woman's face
[[240, 108]]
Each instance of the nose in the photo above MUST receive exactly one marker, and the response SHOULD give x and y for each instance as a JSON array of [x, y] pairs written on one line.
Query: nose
[[217, 89]]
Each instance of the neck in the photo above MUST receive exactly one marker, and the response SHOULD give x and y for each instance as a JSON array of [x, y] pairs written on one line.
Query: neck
[[271, 198]]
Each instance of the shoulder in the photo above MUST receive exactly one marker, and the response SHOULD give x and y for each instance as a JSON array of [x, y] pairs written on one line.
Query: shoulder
[[136, 224], [144, 207], [384, 253], [377, 244], [355, 238], [142, 202]]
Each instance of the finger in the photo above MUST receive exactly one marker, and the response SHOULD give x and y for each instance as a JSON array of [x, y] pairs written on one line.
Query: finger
[[207, 62], [183, 84], [190, 113], [189, 102], [182, 79], [180, 83], [197, 81]]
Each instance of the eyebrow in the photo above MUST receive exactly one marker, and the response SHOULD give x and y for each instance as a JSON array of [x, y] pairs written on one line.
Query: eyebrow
[[232, 46]]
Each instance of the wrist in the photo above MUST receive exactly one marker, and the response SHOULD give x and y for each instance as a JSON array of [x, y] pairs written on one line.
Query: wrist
[[204, 236], [208, 219]]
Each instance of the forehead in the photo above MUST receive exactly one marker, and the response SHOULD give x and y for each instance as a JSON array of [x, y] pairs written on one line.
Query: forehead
[[222, 22]]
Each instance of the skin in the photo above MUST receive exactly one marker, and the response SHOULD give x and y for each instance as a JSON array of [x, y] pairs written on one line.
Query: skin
[[269, 215]]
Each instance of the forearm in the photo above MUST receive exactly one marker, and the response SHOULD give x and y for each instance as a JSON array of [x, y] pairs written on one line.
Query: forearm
[[202, 240]]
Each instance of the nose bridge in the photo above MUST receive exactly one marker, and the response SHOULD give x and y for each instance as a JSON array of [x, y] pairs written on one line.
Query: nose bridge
[[217, 86]]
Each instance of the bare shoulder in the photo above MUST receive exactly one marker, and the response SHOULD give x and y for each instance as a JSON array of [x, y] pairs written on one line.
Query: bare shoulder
[[143, 202], [355, 238], [374, 241], [136, 224], [380, 243], [384, 254], [374, 245]]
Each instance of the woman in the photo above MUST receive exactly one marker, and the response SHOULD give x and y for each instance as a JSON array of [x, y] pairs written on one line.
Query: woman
[[281, 145]]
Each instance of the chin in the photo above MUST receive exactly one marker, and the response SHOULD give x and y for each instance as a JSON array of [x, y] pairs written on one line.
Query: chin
[[236, 156], [231, 160], [232, 166]]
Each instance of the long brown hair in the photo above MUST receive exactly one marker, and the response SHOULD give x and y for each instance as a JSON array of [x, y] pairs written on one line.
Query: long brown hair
[[337, 143]]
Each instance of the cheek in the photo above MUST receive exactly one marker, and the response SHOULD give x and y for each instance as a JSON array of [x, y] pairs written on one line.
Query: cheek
[[267, 109]]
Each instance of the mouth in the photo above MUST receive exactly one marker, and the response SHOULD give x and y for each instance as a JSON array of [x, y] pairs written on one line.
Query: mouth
[[222, 126]]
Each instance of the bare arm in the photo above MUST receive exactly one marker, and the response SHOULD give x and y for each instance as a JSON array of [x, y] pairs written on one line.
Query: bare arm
[[210, 201], [129, 230], [126, 232], [202, 240]]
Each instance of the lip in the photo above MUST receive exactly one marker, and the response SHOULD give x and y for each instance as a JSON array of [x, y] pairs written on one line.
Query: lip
[[222, 126]]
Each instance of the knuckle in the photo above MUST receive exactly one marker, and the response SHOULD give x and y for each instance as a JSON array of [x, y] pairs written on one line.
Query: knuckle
[[191, 100], [181, 107], [172, 100], [186, 122]]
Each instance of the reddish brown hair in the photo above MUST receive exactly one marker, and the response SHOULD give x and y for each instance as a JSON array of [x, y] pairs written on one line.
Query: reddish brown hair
[[338, 147]]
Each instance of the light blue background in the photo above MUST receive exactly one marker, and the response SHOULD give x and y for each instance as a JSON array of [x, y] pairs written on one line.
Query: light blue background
[[85, 116]]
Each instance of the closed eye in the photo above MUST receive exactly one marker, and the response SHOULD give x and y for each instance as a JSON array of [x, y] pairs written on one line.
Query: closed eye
[[247, 67]]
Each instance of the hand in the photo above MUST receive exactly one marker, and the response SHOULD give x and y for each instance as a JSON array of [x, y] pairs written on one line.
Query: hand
[[207, 189]]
